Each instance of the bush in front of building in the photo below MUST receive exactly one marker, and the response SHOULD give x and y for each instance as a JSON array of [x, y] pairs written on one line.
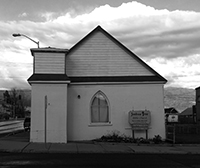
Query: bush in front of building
[[115, 136], [157, 139]]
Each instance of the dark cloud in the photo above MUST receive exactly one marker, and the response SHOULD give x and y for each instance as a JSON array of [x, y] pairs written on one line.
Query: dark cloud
[[170, 44]]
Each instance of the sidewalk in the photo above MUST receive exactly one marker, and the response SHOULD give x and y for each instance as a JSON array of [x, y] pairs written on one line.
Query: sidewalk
[[10, 144]]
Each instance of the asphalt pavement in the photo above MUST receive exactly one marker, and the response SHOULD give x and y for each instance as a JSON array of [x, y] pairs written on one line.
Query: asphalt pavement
[[98, 160], [19, 142]]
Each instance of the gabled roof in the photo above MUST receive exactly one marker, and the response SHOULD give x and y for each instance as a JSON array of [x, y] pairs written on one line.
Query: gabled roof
[[155, 77], [171, 110], [99, 28], [187, 111], [197, 88]]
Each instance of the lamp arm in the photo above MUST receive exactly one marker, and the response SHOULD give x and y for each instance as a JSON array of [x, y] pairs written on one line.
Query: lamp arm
[[31, 39]]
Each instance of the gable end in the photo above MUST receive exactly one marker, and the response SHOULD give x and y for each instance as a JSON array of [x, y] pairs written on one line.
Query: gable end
[[100, 54]]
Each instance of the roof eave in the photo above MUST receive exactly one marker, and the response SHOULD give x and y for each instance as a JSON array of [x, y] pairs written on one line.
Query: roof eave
[[48, 50]]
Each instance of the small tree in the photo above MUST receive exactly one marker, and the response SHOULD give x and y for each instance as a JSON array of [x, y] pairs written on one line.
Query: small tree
[[6, 101], [14, 101]]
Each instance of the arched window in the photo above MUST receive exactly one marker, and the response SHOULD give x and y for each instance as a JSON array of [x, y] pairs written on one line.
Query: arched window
[[99, 108]]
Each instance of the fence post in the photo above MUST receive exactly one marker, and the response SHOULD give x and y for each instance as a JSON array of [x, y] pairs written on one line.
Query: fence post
[[174, 134]]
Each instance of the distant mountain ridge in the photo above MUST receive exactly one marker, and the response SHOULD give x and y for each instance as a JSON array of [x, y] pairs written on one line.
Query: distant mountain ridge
[[179, 98]]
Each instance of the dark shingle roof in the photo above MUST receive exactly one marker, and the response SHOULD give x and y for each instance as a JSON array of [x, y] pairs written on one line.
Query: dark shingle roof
[[64, 77], [116, 79], [171, 110], [48, 77], [187, 111]]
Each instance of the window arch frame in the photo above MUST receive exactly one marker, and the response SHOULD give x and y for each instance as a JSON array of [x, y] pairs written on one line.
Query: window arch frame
[[108, 109]]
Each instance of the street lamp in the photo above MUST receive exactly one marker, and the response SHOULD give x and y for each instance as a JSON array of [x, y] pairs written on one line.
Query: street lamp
[[17, 35]]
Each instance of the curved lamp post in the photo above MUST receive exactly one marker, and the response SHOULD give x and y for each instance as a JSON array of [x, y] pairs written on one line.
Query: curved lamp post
[[17, 35]]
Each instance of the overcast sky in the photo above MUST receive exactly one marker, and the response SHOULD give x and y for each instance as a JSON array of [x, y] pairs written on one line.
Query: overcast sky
[[164, 33]]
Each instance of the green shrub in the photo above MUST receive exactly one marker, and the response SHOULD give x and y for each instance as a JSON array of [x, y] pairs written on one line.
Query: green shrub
[[157, 139], [115, 136]]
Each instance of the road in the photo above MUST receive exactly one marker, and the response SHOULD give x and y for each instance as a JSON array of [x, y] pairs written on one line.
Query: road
[[99, 160]]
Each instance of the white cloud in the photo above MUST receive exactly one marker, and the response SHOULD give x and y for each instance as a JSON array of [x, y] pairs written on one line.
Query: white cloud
[[163, 38], [22, 15], [181, 71], [48, 16]]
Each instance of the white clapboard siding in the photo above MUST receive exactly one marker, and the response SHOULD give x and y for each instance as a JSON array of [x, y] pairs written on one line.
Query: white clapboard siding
[[49, 63], [100, 56]]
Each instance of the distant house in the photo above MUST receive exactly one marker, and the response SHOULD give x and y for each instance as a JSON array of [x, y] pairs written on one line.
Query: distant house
[[171, 110], [168, 111], [198, 105], [192, 114], [88, 91], [187, 116]]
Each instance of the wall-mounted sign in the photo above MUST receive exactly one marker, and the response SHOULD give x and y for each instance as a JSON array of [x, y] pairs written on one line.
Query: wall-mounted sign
[[140, 118], [173, 118]]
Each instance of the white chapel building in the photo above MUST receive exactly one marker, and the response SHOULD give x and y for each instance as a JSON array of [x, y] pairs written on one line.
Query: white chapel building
[[88, 91]]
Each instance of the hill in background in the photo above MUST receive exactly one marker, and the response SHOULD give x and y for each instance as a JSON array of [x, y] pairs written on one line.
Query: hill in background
[[179, 98]]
